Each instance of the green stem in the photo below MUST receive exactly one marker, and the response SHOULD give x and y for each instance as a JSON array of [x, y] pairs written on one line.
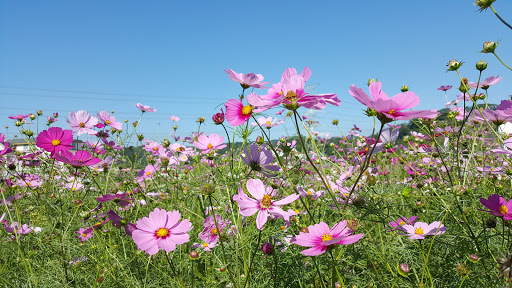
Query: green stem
[[501, 61], [252, 260], [501, 19]]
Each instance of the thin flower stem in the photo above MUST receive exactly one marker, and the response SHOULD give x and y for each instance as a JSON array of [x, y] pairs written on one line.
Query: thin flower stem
[[501, 61], [252, 260], [318, 272], [501, 19], [313, 165]]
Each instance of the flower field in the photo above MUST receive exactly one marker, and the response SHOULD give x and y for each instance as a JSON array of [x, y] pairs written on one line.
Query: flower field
[[425, 200]]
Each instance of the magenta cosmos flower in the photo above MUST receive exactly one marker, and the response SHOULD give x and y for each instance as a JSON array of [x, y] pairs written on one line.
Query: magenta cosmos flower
[[161, 230], [246, 80], [19, 117], [420, 229], [55, 140], [498, 205], [82, 122], [391, 108], [236, 113], [209, 143], [263, 204], [80, 158], [320, 237], [144, 108]]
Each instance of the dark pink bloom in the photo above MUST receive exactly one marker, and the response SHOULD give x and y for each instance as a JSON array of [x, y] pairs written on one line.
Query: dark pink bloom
[[498, 205], [144, 108], [119, 198], [82, 122], [211, 232], [391, 108], [161, 230], [445, 88], [218, 118], [80, 158], [420, 229], [263, 203], [320, 237], [55, 140], [237, 113], [84, 234], [209, 143], [15, 228], [246, 80]]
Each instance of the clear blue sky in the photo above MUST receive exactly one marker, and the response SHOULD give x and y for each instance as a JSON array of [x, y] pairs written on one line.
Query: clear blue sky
[[62, 56]]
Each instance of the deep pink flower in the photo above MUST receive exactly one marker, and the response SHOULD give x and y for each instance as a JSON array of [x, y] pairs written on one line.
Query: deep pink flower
[[420, 229], [445, 88], [147, 173], [246, 80], [237, 113], [161, 230], [84, 234], [218, 118], [119, 198], [144, 108], [55, 140], [263, 204], [498, 205], [80, 158], [391, 108], [15, 228], [209, 143], [82, 122], [320, 237]]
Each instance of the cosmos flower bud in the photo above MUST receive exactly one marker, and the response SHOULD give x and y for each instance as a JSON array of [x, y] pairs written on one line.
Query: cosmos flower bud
[[483, 4], [335, 122], [404, 88], [260, 140], [489, 47], [18, 123], [134, 124], [481, 65], [32, 116], [304, 230], [218, 118], [370, 81], [140, 137], [200, 120], [453, 65], [404, 269], [39, 112], [175, 127], [473, 258], [267, 248], [193, 254], [166, 143]]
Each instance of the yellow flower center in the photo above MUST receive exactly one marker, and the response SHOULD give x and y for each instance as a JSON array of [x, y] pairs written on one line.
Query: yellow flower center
[[291, 96], [162, 232], [106, 121], [282, 227], [266, 201], [84, 235], [268, 123], [209, 146], [215, 231], [391, 111], [418, 231], [296, 211], [181, 149], [55, 142], [205, 244], [156, 148], [247, 110], [28, 184], [503, 209], [81, 125], [326, 237], [401, 223], [148, 173]]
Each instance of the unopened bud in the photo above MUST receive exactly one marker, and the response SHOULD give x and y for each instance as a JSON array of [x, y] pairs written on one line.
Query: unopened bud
[[200, 120], [32, 116], [404, 268], [371, 80], [335, 122], [489, 47], [193, 254], [404, 88], [260, 140], [454, 65], [481, 65], [39, 112], [483, 4], [267, 248]]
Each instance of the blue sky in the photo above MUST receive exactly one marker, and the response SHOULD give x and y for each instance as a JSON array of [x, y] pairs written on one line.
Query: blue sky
[[62, 56]]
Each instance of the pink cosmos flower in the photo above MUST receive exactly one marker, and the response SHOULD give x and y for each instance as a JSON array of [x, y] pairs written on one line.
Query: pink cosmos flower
[[144, 108], [110, 120], [236, 113], [84, 234], [19, 117], [147, 173], [392, 107], [55, 140], [397, 225], [420, 229], [489, 81], [498, 205], [263, 204], [80, 158], [174, 118], [246, 80], [267, 122], [82, 122], [15, 228], [209, 143], [290, 92], [445, 88], [161, 230], [320, 237]]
